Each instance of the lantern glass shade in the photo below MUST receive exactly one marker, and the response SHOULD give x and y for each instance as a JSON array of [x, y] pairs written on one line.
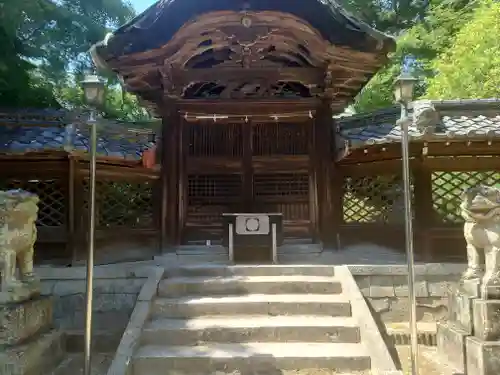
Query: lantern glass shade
[[404, 87], [93, 90]]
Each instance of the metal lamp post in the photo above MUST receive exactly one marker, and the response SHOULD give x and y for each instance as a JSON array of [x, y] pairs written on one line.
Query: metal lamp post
[[93, 89], [403, 92]]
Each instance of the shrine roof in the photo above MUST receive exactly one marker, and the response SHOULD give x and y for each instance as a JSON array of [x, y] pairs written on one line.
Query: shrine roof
[[263, 49], [28, 131], [474, 119], [157, 24]]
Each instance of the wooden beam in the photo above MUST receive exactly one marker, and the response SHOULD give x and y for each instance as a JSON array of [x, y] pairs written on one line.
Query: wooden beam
[[464, 163], [183, 77], [194, 107]]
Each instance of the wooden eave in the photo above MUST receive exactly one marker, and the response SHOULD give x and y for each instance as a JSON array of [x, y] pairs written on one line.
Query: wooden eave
[[247, 55]]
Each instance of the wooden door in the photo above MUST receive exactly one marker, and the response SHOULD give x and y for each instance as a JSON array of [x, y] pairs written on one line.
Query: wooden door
[[246, 167]]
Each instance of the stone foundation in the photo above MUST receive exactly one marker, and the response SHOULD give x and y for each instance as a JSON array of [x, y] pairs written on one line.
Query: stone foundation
[[28, 343], [469, 340]]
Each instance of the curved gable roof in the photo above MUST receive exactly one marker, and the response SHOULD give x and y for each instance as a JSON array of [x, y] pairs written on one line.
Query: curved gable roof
[[156, 26]]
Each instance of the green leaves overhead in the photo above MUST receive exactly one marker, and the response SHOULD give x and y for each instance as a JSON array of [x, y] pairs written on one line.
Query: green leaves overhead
[[433, 42], [470, 68], [45, 41], [452, 45]]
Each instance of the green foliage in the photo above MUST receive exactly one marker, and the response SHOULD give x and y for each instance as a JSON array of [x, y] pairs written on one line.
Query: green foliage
[[119, 105], [470, 67], [423, 42], [387, 16], [42, 39]]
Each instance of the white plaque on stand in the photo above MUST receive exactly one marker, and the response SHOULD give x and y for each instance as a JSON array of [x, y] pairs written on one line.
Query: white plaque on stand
[[252, 225]]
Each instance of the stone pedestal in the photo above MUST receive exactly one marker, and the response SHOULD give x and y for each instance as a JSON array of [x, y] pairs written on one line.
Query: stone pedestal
[[452, 335], [470, 340], [28, 343]]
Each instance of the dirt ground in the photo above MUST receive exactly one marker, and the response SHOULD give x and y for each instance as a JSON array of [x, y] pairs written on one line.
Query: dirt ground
[[73, 364]]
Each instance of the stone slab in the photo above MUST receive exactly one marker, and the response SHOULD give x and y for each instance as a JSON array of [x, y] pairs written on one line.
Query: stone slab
[[36, 357], [483, 358], [486, 319], [237, 285], [253, 304], [21, 293], [451, 345], [19, 321], [381, 360], [460, 309], [263, 328], [470, 287], [216, 270], [255, 357]]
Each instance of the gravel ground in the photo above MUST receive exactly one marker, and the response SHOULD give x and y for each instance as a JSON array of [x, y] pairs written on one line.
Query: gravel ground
[[427, 361]]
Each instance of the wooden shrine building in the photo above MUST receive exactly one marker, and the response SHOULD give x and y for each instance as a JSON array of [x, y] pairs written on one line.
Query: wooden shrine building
[[246, 91]]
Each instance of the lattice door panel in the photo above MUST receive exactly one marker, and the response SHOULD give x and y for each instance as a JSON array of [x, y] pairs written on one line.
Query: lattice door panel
[[213, 139], [373, 199], [281, 185], [52, 205], [209, 196], [287, 193], [122, 204], [447, 188], [279, 138]]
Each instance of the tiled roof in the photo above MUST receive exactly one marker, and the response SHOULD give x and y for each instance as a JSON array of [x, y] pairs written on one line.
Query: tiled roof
[[458, 119], [31, 131]]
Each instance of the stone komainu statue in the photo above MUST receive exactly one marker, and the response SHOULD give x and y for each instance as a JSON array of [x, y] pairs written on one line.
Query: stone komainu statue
[[18, 214], [480, 208]]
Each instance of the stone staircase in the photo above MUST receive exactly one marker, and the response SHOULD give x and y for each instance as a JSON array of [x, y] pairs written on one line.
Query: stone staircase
[[251, 319]]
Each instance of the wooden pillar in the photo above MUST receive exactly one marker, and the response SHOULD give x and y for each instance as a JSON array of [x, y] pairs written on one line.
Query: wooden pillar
[[313, 184], [337, 196], [323, 134], [71, 243], [182, 181], [247, 168], [170, 176], [424, 212]]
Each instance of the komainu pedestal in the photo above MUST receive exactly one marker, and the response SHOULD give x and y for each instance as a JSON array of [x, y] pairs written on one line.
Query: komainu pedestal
[[28, 343], [470, 340]]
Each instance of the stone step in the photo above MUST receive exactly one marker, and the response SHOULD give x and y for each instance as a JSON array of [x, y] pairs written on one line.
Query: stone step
[[255, 357], [237, 285], [253, 304], [261, 328], [250, 270], [38, 355]]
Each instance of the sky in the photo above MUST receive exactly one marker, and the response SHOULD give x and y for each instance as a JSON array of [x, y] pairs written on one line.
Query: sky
[[141, 5]]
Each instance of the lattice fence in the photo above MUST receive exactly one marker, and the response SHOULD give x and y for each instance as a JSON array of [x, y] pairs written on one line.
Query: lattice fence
[[373, 199], [52, 205], [122, 204], [447, 188]]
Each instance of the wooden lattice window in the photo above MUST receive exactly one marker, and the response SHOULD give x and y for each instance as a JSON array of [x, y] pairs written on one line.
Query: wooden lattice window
[[287, 193], [281, 185], [52, 205], [281, 139], [447, 188], [373, 199], [209, 196], [122, 204], [213, 139]]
